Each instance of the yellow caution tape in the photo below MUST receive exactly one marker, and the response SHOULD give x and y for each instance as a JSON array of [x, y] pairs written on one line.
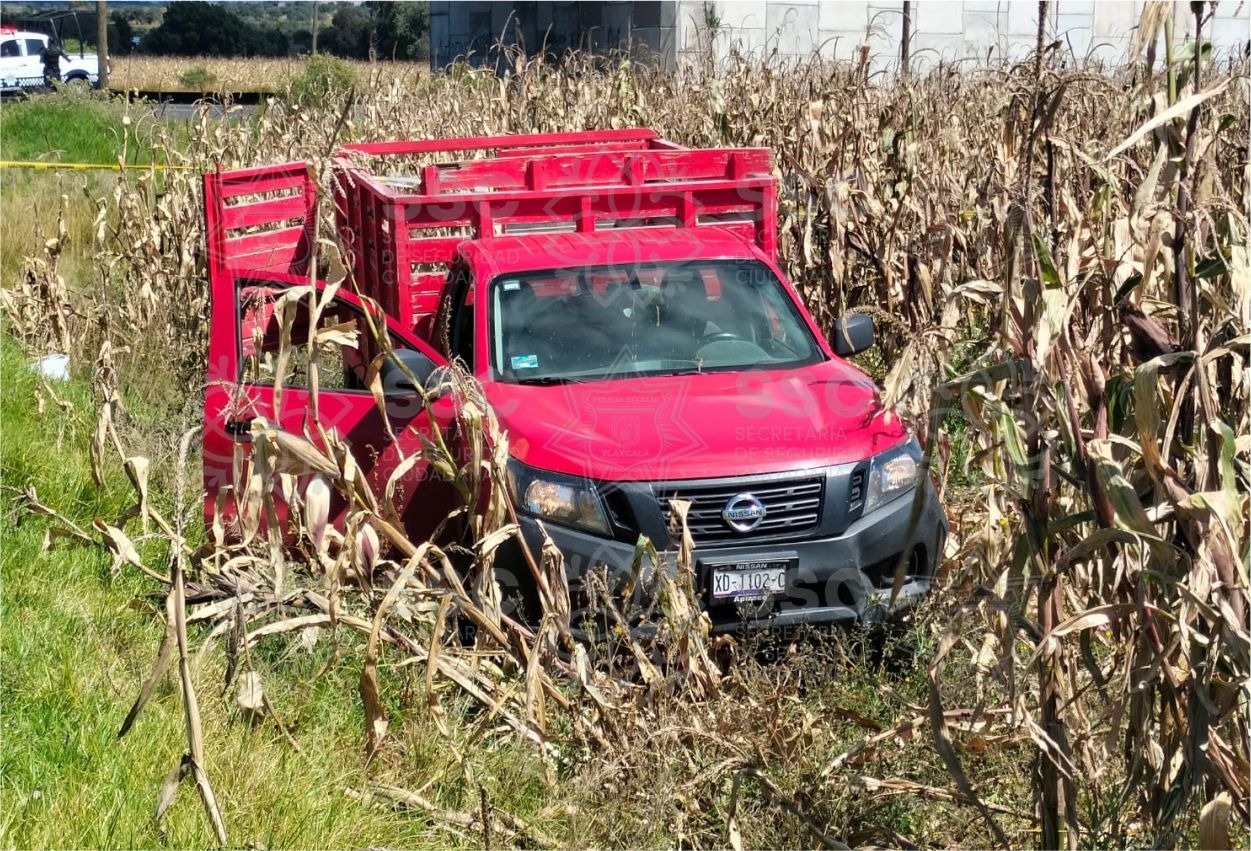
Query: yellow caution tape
[[41, 166]]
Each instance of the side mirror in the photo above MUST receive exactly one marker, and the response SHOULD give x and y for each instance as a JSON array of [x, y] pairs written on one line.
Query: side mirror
[[394, 380], [852, 334]]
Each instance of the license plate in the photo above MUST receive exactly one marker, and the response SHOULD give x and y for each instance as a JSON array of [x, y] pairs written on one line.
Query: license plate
[[749, 579]]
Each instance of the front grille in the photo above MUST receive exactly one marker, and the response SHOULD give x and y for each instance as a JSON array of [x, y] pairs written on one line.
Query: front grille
[[791, 508]]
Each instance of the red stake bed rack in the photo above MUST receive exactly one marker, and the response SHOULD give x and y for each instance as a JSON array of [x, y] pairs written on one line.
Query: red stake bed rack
[[399, 232]]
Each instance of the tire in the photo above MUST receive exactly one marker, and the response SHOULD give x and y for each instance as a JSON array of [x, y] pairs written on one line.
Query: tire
[[519, 596], [518, 592], [78, 84]]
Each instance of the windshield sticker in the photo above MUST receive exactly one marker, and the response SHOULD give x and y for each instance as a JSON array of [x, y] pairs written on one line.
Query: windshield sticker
[[510, 286], [525, 361]]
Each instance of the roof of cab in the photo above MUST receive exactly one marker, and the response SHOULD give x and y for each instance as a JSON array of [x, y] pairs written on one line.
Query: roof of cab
[[548, 250]]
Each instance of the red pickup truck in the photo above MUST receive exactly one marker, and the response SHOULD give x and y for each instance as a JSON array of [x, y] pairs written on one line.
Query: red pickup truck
[[619, 300]]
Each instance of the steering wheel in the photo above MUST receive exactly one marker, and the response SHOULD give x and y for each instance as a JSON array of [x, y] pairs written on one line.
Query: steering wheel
[[717, 336], [726, 349]]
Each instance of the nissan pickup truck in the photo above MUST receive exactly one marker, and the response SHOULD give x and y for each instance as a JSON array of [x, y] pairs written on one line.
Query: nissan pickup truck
[[619, 300]]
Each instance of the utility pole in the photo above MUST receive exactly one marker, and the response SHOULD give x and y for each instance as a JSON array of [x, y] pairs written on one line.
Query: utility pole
[[316, 16], [102, 44], [905, 46]]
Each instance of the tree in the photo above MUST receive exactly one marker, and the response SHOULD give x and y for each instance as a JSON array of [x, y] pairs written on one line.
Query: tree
[[402, 30], [212, 29], [123, 33], [301, 41], [351, 30], [412, 29], [194, 29]]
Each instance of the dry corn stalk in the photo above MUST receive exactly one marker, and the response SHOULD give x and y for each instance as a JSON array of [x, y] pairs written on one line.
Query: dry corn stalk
[[1015, 236]]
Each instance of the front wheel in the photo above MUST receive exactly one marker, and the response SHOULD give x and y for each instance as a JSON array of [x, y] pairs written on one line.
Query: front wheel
[[79, 85], [519, 593]]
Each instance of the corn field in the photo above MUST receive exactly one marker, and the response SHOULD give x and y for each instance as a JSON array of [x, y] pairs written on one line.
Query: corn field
[[142, 73], [1057, 264]]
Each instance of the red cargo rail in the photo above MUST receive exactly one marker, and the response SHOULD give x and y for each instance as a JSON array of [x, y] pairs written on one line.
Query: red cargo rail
[[400, 231], [260, 220]]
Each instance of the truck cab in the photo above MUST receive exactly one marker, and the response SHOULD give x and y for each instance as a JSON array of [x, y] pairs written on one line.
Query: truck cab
[[618, 300], [19, 59]]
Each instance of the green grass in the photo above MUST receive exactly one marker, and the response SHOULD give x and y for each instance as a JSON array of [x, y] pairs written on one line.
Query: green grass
[[30, 202], [76, 640], [72, 127], [60, 128]]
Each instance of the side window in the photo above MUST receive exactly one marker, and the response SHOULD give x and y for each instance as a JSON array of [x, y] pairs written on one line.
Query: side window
[[33, 47], [461, 321], [341, 355], [8, 49]]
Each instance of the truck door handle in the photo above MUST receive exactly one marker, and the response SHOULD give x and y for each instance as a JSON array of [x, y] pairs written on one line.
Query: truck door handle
[[238, 428]]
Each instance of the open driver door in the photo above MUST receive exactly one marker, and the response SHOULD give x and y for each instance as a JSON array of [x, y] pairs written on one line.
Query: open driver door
[[271, 321]]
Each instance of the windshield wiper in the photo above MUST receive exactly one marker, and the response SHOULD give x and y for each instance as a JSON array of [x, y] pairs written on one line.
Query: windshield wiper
[[710, 368], [547, 380]]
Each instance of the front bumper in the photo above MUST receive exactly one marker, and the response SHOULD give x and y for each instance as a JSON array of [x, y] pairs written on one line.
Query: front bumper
[[841, 579]]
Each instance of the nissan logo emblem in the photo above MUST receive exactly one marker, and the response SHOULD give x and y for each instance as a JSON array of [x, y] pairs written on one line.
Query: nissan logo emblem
[[743, 512]]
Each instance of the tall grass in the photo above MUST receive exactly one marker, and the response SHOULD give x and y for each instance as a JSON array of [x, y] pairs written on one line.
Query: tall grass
[[62, 129], [78, 632], [67, 127], [1057, 263]]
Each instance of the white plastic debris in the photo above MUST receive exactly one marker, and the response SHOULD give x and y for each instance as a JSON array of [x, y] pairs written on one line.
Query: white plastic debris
[[54, 366]]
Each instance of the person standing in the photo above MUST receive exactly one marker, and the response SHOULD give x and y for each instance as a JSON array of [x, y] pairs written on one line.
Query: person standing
[[51, 56]]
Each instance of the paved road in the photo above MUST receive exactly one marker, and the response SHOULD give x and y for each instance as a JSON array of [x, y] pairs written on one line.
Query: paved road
[[187, 111]]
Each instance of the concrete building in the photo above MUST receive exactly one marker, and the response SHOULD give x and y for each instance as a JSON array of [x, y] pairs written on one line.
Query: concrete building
[[674, 31]]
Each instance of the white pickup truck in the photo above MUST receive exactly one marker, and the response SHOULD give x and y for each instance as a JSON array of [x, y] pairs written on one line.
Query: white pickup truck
[[21, 68]]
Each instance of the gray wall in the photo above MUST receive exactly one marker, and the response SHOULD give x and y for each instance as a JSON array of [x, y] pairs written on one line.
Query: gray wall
[[943, 30], [457, 28]]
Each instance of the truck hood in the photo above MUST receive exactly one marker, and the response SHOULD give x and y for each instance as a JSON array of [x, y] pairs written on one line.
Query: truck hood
[[698, 426]]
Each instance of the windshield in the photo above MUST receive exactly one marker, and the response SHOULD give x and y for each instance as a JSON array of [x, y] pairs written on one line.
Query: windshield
[[620, 321]]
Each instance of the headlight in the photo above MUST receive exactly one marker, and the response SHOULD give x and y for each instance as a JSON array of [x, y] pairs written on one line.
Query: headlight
[[893, 473], [557, 497]]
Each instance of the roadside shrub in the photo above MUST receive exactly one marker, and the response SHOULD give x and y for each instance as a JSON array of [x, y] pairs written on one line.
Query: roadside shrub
[[198, 77], [324, 77]]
